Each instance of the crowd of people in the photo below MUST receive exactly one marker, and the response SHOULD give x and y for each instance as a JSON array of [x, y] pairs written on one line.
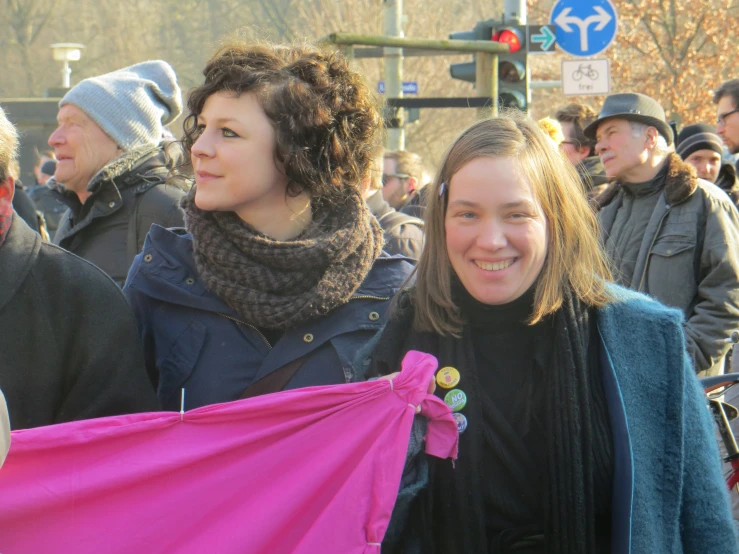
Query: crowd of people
[[571, 283]]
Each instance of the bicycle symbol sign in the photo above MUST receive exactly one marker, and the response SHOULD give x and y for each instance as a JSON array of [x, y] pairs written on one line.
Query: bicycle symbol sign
[[585, 70], [586, 77], [584, 27]]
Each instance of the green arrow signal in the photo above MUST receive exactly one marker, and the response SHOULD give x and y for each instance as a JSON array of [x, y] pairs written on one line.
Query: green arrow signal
[[547, 37]]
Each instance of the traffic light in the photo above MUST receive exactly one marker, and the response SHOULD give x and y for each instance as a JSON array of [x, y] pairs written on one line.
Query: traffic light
[[466, 71], [513, 73]]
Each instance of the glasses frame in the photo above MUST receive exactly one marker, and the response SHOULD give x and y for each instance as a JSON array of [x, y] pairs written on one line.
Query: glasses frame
[[721, 119], [387, 176]]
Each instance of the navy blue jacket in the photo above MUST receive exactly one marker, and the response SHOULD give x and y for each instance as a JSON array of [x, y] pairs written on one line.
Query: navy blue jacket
[[194, 340]]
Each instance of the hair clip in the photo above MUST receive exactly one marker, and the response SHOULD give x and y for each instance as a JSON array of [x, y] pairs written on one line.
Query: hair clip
[[442, 189]]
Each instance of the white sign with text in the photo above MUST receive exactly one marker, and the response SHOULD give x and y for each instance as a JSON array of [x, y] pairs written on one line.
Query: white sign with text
[[586, 77]]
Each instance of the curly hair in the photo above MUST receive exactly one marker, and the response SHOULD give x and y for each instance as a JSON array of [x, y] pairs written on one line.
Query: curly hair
[[326, 120]]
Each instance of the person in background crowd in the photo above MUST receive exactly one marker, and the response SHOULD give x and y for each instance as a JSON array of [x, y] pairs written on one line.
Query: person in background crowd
[[552, 129], [402, 182], [4, 429], [22, 202], [47, 202], [543, 363], [403, 233], [726, 98], [47, 171], [280, 278], [41, 159], [702, 148], [579, 149], [69, 344], [111, 168], [668, 233]]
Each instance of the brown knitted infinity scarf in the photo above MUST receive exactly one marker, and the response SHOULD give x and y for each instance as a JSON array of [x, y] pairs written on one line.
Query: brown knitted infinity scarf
[[279, 285]]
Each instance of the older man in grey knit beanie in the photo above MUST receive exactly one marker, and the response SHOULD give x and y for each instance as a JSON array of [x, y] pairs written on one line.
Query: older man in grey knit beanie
[[111, 165]]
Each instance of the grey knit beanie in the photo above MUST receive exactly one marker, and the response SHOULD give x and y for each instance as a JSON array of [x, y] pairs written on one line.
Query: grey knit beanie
[[131, 105]]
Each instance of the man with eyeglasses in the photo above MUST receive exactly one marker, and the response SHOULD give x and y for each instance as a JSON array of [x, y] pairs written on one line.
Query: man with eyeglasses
[[402, 181], [726, 99], [579, 149]]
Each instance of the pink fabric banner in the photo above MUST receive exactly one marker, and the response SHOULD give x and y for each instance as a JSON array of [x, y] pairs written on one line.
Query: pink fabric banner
[[309, 471]]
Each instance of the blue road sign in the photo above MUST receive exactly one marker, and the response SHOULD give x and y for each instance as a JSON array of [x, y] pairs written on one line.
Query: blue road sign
[[584, 27], [409, 87]]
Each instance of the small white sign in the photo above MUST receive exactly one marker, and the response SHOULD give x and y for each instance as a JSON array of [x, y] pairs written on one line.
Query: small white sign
[[586, 77]]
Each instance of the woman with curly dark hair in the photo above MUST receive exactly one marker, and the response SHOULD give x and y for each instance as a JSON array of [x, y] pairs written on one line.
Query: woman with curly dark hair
[[279, 277]]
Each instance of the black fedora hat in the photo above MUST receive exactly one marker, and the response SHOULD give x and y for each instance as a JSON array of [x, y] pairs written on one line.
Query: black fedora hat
[[632, 106]]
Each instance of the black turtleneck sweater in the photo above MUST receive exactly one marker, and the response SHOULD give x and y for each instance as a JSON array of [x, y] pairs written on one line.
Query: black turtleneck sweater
[[513, 361], [510, 358]]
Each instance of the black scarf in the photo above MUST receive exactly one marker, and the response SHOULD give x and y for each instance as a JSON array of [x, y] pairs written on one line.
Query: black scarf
[[572, 497], [281, 284]]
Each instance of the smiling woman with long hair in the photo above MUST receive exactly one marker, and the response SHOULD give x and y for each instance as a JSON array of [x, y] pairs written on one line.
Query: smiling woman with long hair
[[279, 276], [582, 426]]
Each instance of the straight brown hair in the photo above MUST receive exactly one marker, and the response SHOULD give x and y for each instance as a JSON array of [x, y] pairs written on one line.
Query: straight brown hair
[[574, 257]]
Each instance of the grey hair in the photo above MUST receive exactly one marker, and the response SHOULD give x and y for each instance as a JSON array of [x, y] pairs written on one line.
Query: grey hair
[[661, 148], [8, 146]]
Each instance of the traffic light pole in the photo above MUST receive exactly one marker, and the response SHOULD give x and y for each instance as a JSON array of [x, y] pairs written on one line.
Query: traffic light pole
[[515, 10], [486, 81], [393, 71]]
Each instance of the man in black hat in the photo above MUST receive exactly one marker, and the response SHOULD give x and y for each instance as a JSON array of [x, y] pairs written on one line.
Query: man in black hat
[[669, 234], [701, 147]]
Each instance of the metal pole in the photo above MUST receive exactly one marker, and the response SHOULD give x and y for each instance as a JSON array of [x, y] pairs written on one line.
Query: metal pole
[[515, 10], [486, 82], [66, 73], [393, 70]]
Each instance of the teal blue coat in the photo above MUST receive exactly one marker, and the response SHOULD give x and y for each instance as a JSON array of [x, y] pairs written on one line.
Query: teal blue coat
[[669, 495]]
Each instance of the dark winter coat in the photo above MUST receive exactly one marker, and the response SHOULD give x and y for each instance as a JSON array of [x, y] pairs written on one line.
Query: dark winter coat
[[69, 344], [25, 208], [728, 182], [403, 233], [688, 259], [128, 196], [48, 203], [592, 173], [194, 340]]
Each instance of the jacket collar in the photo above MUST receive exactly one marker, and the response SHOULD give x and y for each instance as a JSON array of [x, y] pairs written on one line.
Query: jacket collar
[[114, 177], [680, 184], [17, 255]]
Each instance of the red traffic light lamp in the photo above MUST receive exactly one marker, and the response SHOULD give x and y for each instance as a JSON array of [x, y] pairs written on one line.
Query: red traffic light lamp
[[510, 36]]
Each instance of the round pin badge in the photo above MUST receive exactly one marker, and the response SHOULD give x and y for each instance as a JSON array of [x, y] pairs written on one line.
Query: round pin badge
[[447, 377], [456, 399], [461, 422]]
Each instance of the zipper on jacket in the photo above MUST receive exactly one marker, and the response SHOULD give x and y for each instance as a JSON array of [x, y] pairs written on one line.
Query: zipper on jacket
[[366, 297], [257, 331]]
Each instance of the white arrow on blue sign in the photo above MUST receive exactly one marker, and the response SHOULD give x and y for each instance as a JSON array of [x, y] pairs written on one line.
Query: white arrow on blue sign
[[409, 87], [584, 27]]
